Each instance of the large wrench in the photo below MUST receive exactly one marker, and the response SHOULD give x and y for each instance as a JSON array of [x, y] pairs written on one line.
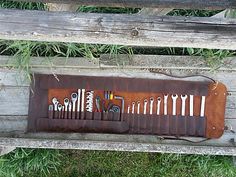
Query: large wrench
[[183, 98], [165, 104], [74, 99], [55, 103], [174, 105], [158, 105], [133, 105], [82, 100], [138, 107], [203, 101], [145, 106], [151, 105], [191, 105], [78, 103]]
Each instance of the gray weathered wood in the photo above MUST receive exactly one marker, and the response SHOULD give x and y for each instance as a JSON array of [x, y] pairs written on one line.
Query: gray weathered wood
[[62, 7], [155, 11], [192, 4], [120, 29], [6, 150]]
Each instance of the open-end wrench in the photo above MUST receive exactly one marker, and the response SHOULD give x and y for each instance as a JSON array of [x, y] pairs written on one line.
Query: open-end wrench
[[74, 97], [151, 104], [63, 111], [55, 103], [145, 106], [191, 105], [138, 107], [158, 105], [203, 101], [66, 103], [128, 110], [133, 107], [165, 104], [82, 100], [174, 105], [183, 104]]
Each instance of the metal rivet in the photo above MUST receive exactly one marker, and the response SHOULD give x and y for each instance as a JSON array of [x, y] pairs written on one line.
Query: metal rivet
[[213, 128]]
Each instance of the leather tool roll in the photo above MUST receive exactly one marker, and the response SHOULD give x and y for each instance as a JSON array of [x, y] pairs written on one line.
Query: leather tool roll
[[130, 115]]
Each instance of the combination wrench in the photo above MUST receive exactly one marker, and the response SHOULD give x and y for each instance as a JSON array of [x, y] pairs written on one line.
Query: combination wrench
[[145, 106], [174, 105], [128, 111], [151, 105], [82, 100], [55, 103], [133, 107], [74, 99], [138, 107], [165, 104], [183, 98], [158, 105], [78, 102], [191, 105], [203, 101]]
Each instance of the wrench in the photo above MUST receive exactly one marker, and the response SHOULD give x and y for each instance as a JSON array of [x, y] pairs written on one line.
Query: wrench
[[74, 97], [138, 108], [203, 101], [78, 103], [82, 100], [158, 105], [59, 110], [165, 104], [128, 109], [55, 103], [70, 107], [191, 105], [174, 99], [133, 105], [151, 104], [66, 103], [145, 106], [183, 98]]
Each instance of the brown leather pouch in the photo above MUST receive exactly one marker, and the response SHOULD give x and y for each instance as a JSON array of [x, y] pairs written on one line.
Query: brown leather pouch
[[211, 125]]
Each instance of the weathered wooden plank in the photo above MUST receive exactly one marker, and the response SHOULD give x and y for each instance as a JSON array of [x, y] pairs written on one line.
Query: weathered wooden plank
[[13, 124], [122, 29], [14, 101], [192, 4]]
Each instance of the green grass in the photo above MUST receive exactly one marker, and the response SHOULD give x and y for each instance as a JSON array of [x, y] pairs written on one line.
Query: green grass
[[75, 163]]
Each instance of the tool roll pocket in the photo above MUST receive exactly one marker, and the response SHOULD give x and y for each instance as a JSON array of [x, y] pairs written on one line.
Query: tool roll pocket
[[127, 105]]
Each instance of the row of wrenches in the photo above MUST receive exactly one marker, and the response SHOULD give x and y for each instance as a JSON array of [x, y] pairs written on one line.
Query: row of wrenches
[[80, 101], [131, 109]]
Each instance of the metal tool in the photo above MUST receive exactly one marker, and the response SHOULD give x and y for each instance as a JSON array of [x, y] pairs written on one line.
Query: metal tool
[[151, 105], [138, 107], [145, 106], [203, 101], [89, 101], [70, 107], [78, 102], [133, 107], [97, 102], [183, 104], [158, 105], [165, 104], [122, 102], [55, 103], [63, 111], [66, 103], [74, 97], [128, 110], [82, 100], [174, 105], [115, 108], [191, 105], [50, 111], [59, 110]]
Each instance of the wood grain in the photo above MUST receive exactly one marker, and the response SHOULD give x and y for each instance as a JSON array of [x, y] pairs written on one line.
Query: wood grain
[[122, 29], [192, 4]]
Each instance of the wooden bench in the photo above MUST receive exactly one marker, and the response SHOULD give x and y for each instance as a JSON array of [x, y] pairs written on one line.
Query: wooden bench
[[131, 30]]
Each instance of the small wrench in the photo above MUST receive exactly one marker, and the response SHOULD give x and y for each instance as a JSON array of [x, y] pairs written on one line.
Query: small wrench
[[203, 101], [165, 104], [66, 103], [191, 105], [74, 97], [133, 106], [128, 111], [59, 110], [174, 99], [158, 105], [183, 98], [145, 106], [138, 107], [70, 107], [151, 104], [55, 103]]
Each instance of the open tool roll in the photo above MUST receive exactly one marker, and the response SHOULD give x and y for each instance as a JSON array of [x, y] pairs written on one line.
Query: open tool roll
[[127, 105]]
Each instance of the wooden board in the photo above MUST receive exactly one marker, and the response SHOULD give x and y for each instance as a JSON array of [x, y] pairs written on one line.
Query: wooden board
[[13, 126], [192, 4], [122, 29]]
